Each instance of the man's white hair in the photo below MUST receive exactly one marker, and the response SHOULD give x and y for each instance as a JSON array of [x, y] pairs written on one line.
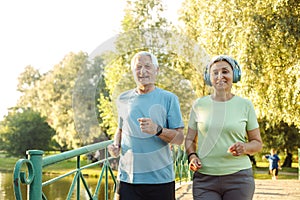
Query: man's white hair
[[144, 53]]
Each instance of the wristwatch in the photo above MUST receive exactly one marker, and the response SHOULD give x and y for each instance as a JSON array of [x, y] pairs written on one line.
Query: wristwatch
[[159, 130]]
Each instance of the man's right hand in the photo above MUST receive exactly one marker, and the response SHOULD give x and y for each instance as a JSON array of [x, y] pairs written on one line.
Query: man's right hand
[[114, 150]]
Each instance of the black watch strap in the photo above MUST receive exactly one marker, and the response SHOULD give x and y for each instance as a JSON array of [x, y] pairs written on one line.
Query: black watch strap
[[193, 153], [159, 130]]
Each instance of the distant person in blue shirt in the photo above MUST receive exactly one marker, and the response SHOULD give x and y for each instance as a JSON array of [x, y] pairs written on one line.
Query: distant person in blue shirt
[[274, 163], [149, 120]]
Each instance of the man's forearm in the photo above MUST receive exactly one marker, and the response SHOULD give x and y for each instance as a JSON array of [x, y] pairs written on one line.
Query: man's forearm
[[172, 136]]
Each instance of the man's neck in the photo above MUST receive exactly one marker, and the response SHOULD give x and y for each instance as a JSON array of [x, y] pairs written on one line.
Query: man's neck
[[144, 89]]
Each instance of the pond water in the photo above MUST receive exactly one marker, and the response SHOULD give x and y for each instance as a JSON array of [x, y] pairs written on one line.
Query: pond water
[[56, 191]]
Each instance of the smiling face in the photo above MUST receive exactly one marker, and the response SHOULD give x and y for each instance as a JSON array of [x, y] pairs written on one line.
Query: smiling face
[[144, 71], [221, 75]]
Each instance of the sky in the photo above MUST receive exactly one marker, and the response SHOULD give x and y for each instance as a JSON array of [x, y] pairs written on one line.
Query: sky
[[41, 33]]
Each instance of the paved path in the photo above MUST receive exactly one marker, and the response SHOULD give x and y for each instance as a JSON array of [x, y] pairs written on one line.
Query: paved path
[[265, 190]]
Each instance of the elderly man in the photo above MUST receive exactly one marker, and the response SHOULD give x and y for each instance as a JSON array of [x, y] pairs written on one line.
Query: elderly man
[[149, 120]]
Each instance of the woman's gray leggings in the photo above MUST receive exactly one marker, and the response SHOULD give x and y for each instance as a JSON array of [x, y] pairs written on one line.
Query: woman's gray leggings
[[237, 186]]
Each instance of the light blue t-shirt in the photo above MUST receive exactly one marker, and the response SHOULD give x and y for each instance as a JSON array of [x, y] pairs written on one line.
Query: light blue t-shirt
[[145, 158], [220, 125]]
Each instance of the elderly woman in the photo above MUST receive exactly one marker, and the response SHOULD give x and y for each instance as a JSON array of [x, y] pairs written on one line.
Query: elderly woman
[[222, 132]]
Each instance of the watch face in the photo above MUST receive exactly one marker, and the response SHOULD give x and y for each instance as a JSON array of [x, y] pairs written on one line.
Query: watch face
[[158, 128]]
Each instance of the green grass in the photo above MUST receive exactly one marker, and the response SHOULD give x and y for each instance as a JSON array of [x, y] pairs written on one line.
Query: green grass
[[8, 164], [262, 171], [280, 176]]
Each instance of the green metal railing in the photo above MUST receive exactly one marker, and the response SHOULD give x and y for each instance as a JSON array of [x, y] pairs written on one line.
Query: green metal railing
[[36, 162], [181, 165], [32, 175]]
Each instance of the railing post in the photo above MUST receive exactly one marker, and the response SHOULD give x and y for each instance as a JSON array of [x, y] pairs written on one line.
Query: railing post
[[35, 188], [299, 163], [106, 174], [78, 178]]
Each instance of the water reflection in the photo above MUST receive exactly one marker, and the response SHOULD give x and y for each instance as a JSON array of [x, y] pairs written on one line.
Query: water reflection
[[56, 191], [6, 186]]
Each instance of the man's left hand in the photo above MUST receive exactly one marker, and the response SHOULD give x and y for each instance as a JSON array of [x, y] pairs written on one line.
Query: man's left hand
[[147, 125]]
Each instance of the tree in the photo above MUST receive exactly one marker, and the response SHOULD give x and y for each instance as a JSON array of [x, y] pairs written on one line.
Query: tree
[[264, 36], [27, 85], [144, 28], [23, 129], [274, 45], [281, 136], [51, 95], [89, 86], [139, 15]]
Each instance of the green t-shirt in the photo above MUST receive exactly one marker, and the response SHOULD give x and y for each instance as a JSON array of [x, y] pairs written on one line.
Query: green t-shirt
[[219, 125]]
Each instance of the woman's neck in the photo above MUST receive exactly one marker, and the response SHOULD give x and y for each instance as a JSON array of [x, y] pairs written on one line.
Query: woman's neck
[[222, 96]]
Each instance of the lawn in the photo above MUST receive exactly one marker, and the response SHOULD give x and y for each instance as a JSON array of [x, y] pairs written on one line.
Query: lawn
[[262, 171], [8, 164]]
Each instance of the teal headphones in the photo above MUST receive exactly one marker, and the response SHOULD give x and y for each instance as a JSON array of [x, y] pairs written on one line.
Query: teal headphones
[[237, 73]]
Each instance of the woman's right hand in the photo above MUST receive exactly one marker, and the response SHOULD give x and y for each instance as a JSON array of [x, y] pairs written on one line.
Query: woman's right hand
[[195, 163]]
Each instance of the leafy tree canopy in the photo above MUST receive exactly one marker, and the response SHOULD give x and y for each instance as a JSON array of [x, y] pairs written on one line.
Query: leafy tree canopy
[[23, 129], [264, 36]]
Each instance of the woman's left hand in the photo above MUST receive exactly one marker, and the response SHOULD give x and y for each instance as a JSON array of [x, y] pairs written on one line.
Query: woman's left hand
[[237, 149], [195, 163]]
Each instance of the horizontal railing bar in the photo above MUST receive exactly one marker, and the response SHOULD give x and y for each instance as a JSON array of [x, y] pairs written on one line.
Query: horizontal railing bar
[[74, 171], [59, 177], [95, 163], [49, 160]]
